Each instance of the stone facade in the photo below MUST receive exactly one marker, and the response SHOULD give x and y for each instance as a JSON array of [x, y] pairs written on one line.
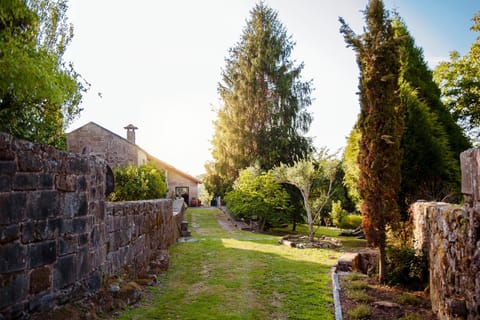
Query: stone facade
[[450, 237], [96, 140], [59, 239]]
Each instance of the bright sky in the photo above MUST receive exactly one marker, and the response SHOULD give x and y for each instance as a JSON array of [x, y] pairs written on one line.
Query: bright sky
[[157, 63]]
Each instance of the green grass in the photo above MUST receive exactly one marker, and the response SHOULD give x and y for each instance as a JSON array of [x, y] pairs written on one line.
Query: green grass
[[239, 275]]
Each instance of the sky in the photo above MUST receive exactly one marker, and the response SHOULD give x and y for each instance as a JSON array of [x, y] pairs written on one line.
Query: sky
[[156, 64]]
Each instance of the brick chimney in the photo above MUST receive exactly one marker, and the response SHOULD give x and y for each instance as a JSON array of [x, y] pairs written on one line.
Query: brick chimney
[[131, 132]]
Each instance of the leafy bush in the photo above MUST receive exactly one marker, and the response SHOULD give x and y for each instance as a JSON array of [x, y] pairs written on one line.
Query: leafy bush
[[406, 267], [138, 183], [257, 196], [351, 221]]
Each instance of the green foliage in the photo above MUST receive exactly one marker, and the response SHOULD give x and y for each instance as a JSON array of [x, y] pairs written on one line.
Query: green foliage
[[139, 183], [406, 267], [337, 213], [360, 312], [263, 117], [431, 142], [256, 195], [39, 93], [314, 179], [459, 81], [350, 166], [351, 221], [381, 122], [408, 298]]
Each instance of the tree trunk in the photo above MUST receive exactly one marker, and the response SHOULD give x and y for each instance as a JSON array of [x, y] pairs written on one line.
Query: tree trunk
[[309, 221], [382, 263]]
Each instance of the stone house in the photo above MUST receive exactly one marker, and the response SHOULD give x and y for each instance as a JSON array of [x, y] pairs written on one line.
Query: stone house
[[96, 140]]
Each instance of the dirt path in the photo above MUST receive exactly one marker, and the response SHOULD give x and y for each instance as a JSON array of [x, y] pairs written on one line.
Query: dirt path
[[225, 222]]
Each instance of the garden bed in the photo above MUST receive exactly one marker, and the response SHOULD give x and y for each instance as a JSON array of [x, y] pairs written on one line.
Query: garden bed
[[302, 242]]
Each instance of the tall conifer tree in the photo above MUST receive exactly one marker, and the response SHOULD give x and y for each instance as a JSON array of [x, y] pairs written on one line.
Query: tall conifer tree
[[381, 123], [264, 114]]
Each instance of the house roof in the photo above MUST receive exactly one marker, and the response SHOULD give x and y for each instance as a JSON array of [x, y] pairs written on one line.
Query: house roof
[[161, 163]]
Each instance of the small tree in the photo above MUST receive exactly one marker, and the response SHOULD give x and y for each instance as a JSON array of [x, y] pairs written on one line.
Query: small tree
[[256, 195], [139, 183], [305, 175]]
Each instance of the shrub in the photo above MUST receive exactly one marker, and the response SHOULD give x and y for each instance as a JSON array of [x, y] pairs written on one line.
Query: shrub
[[138, 183], [360, 312], [257, 196], [407, 298], [351, 221], [406, 267]]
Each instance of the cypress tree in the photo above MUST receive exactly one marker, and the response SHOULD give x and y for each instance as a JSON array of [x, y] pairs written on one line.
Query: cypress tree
[[381, 123]]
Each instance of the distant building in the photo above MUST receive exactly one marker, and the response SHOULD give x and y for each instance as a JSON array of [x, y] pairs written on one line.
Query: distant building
[[117, 151]]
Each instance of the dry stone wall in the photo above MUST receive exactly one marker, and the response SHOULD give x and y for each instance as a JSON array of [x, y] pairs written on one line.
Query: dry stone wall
[[450, 237], [59, 238]]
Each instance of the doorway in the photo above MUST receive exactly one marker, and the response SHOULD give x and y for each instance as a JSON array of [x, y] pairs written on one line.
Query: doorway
[[183, 192]]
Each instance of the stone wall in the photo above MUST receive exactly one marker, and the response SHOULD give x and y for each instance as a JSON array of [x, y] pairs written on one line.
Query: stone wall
[[450, 237], [59, 239]]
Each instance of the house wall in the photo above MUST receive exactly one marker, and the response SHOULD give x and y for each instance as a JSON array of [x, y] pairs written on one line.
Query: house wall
[[118, 151], [59, 238], [175, 179], [101, 142]]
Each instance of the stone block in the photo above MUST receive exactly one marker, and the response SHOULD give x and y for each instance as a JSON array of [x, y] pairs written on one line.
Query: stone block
[[9, 233], [75, 205], [7, 154], [80, 225], [40, 280], [29, 161], [82, 183], [14, 289], [8, 168], [42, 253], [66, 226], [68, 244], [95, 237], [83, 239], [45, 181], [77, 165], [25, 181], [12, 207], [83, 262], [43, 204], [349, 262], [40, 230], [12, 257], [65, 182], [42, 303], [5, 183], [64, 272]]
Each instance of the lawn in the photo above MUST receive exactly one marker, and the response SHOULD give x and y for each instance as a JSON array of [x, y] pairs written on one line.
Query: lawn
[[233, 274]]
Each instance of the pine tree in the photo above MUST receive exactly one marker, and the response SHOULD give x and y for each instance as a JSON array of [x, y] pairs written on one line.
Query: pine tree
[[380, 123], [264, 114]]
